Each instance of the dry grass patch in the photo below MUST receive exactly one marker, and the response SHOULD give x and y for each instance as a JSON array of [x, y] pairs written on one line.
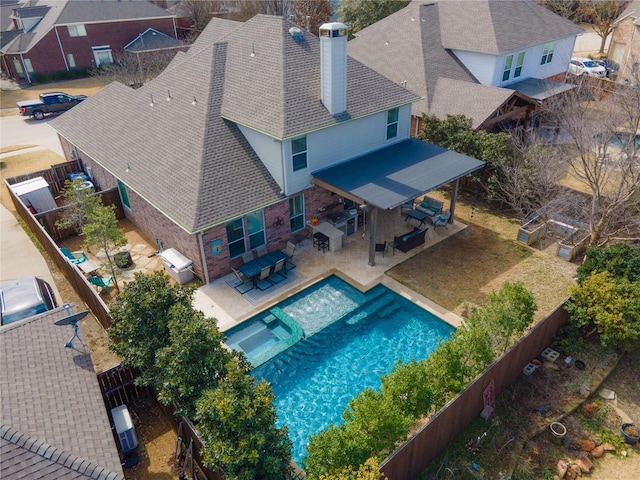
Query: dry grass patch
[[83, 86], [15, 148], [459, 273]]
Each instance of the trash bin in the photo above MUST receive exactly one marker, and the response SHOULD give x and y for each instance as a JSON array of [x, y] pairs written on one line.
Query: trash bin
[[177, 265]]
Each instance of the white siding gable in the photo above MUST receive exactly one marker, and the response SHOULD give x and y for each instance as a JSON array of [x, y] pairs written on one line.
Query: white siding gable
[[481, 65], [326, 147]]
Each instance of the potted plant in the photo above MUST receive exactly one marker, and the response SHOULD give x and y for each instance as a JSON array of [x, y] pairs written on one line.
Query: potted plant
[[314, 220], [630, 433]]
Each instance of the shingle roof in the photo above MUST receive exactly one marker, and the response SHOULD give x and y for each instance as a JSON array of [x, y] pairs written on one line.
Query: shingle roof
[[51, 399], [191, 161], [151, 40], [413, 46], [65, 12]]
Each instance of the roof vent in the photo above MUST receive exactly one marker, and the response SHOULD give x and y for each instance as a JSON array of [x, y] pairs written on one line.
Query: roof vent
[[296, 33]]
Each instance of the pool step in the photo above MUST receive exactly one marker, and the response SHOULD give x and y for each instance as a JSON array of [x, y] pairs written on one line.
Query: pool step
[[382, 305]]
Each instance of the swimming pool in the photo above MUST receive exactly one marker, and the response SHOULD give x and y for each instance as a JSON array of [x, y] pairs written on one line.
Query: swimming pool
[[350, 339]]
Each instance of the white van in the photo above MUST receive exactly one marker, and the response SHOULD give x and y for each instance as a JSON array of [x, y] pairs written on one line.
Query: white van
[[25, 297]]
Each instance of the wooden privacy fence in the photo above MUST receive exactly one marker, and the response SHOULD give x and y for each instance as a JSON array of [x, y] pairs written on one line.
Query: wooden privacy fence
[[413, 456], [42, 226], [118, 387]]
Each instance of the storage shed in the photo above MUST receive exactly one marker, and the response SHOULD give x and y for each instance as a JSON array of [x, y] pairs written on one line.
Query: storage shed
[[35, 194]]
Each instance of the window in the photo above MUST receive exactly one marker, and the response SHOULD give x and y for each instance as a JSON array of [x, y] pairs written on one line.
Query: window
[[235, 237], [299, 153], [296, 213], [392, 123], [547, 53], [102, 55], [506, 73], [255, 226], [509, 64], [77, 31], [71, 61], [18, 66], [28, 66], [124, 195], [519, 63]]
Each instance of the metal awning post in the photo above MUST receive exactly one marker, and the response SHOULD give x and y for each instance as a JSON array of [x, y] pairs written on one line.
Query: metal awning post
[[454, 195], [373, 223]]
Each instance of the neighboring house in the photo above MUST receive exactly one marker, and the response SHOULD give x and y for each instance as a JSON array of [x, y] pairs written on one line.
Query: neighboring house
[[234, 145], [53, 423], [492, 60], [51, 36], [625, 43]]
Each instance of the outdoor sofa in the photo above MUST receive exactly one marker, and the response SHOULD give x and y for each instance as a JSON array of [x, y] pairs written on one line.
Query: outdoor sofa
[[430, 206], [410, 240]]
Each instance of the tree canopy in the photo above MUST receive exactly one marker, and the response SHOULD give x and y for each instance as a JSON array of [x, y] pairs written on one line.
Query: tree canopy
[[359, 14], [318, 11]]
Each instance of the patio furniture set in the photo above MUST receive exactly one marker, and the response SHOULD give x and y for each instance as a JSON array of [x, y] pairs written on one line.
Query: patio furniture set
[[264, 271], [89, 267]]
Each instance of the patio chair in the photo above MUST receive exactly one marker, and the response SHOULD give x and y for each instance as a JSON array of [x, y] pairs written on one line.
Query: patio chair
[[261, 250], [291, 248], [74, 257], [101, 282], [263, 279], [244, 282], [247, 256], [442, 219], [381, 247], [277, 274]]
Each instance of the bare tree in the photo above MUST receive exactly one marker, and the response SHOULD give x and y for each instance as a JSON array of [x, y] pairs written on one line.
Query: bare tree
[[200, 12], [601, 154], [318, 11], [243, 10], [600, 14], [134, 69]]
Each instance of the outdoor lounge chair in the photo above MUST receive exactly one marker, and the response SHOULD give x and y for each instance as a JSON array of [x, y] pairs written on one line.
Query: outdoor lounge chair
[[245, 284], [442, 219], [74, 257], [291, 248], [101, 282]]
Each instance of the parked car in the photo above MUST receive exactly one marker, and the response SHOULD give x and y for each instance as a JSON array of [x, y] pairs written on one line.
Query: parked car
[[25, 297], [50, 102], [586, 66], [609, 66]]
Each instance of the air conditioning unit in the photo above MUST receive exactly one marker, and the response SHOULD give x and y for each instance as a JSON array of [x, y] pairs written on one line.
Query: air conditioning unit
[[124, 428]]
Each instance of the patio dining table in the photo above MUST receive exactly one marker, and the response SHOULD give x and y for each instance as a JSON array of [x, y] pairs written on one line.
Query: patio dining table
[[252, 269]]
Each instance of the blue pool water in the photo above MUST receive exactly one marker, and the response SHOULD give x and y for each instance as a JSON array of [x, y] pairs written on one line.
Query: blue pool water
[[350, 339]]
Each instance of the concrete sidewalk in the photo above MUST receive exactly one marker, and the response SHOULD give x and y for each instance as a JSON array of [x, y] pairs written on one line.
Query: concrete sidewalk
[[19, 257]]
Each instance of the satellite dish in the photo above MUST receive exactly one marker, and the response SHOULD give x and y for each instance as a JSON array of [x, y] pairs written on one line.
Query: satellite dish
[[73, 321]]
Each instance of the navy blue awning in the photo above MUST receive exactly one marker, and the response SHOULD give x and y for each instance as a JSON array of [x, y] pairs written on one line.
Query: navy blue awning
[[394, 175]]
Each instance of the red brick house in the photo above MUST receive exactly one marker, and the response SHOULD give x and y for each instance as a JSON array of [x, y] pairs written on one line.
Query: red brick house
[[51, 36]]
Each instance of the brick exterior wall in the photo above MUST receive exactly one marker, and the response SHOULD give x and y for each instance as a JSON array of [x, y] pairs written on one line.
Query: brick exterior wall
[[625, 49], [49, 55], [157, 227]]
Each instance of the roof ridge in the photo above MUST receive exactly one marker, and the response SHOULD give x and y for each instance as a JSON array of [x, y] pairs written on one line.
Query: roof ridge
[[56, 455]]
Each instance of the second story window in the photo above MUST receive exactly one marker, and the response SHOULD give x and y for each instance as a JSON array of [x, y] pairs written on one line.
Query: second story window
[[77, 31], [512, 66], [299, 153], [392, 123], [547, 53]]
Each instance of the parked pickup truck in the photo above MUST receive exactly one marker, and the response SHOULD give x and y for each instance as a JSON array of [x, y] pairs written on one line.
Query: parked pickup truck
[[50, 102]]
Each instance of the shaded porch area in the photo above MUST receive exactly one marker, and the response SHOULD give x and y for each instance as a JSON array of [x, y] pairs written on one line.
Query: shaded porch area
[[220, 300]]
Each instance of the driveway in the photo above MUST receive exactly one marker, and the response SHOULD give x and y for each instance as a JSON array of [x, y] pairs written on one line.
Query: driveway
[[17, 130]]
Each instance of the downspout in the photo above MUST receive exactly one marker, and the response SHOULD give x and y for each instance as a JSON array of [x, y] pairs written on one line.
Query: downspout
[[204, 259], [64, 57], [175, 30], [24, 68]]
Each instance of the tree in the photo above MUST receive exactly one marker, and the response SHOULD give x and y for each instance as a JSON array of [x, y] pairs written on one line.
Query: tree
[[243, 10], [200, 12], [134, 69], [79, 202], [140, 318], [193, 360], [601, 154], [619, 259], [611, 306], [319, 11], [370, 470], [101, 228], [564, 8], [236, 421], [600, 14], [359, 14]]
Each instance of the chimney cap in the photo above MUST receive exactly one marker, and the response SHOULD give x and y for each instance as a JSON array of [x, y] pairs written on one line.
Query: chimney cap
[[333, 29]]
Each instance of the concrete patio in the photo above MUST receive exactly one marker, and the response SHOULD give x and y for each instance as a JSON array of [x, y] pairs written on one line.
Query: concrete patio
[[220, 300]]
